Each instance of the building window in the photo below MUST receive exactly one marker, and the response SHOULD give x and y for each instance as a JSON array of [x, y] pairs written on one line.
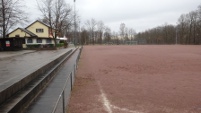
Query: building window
[[29, 41], [17, 35], [48, 41], [39, 31], [39, 40]]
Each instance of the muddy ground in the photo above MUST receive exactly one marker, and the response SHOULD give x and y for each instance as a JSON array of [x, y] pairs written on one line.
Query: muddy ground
[[138, 79]]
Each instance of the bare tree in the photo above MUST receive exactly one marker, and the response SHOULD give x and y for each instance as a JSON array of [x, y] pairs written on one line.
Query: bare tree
[[115, 38], [46, 8], [126, 37], [63, 17], [122, 30], [199, 24], [57, 14], [91, 26], [107, 34], [190, 26], [132, 33], [84, 36], [10, 15], [100, 28], [182, 25]]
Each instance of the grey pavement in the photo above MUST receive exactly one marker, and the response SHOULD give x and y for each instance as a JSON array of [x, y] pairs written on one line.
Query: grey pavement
[[17, 67], [46, 102], [8, 54]]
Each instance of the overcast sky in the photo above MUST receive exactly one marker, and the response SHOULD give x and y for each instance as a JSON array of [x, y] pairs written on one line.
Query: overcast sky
[[137, 14]]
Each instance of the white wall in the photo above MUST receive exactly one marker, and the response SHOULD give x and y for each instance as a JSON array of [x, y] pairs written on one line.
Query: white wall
[[34, 41]]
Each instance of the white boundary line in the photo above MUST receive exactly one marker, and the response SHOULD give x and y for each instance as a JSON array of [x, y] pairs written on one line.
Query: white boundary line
[[105, 102], [108, 106]]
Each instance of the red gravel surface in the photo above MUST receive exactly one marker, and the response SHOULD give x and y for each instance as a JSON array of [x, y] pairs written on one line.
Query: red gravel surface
[[138, 79]]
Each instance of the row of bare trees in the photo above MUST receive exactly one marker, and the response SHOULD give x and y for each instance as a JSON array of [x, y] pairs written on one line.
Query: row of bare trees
[[59, 15], [127, 34], [187, 31], [96, 32]]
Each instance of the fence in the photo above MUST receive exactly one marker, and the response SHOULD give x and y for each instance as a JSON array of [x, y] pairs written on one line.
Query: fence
[[64, 97]]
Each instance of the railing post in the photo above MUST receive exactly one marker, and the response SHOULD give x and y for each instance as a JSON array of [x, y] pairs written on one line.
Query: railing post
[[71, 79], [64, 106], [74, 68], [76, 60]]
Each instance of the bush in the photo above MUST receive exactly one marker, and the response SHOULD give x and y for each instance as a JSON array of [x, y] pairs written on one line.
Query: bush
[[51, 45], [60, 45], [48, 46], [39, 46], [33, 46]]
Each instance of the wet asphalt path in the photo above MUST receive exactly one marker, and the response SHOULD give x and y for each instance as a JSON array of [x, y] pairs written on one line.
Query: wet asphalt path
[[18, 67]]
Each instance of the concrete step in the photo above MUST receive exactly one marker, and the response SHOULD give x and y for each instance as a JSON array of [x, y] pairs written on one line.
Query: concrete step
[[56, 95], [19, 95]]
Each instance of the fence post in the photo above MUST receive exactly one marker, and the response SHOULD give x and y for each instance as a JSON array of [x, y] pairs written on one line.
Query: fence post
[[74, 68], [64, 106], [71, 79], [77, 61]]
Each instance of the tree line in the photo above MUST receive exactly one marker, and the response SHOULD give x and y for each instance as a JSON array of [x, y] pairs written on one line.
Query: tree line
[[96, 32], [60, 16], [187, 31]]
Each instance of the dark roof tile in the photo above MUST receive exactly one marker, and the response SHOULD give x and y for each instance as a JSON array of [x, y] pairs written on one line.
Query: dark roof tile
[[28, 32]]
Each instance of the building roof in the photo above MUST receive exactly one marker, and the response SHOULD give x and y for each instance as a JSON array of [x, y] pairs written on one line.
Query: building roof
[[28, 32], [39, 22]]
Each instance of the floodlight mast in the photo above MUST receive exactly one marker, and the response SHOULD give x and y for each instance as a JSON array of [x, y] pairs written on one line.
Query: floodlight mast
[[176, 40], [74, 37]]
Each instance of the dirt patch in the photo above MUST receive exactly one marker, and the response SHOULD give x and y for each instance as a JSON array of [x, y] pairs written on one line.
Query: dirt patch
[[138, 79]]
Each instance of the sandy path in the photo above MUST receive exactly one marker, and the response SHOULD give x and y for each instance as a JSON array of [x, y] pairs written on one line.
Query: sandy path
[[138, 79]]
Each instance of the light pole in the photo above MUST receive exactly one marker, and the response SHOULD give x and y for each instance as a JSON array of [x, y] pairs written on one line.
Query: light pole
[[176, 35], [75, 41]]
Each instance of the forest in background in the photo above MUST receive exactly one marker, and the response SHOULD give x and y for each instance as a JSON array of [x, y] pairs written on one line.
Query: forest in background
[[60, 15]]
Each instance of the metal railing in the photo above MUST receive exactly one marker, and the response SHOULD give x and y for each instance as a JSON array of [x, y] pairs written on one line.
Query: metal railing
[[64, 97]]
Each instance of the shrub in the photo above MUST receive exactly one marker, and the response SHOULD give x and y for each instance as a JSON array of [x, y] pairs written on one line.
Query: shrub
[[60, 44], [33, 46]]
